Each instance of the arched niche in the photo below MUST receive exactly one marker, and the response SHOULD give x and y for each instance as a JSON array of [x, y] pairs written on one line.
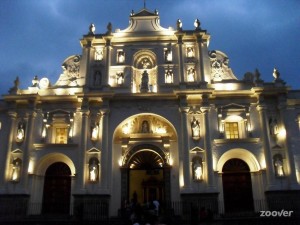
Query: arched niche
[[242, 154], [144, 61], [51, 158]]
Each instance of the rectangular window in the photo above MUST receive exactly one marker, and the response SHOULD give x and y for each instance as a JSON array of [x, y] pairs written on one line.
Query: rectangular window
[[61, 135], [232, 130]]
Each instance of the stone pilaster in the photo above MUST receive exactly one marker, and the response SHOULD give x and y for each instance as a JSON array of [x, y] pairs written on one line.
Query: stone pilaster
[[106, 157], [208, 150], [288, 144], [83, 147], [184, 153], [266, 146], [7, 149], [27, 149], [180, 55]]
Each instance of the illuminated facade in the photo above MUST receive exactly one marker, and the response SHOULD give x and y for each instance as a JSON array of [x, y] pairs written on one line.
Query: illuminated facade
[[148, 112]]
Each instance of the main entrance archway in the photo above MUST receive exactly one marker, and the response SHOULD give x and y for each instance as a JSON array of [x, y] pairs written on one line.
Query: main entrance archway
[[146, 175], [57, 189], [237, 187]]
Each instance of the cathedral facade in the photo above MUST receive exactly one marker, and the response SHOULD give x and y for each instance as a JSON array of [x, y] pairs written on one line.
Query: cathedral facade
[[149, 113]]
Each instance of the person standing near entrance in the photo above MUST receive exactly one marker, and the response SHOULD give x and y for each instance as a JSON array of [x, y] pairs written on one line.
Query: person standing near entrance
[[156, 209]]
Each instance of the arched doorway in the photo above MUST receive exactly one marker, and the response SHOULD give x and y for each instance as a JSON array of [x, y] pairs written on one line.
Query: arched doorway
[[57, 189], [146, 176], [237, 186]]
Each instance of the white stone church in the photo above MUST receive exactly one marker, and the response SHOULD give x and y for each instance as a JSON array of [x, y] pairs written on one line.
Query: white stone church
[[149, 113]]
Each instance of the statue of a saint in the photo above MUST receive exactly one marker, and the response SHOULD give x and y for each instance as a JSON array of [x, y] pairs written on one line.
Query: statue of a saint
[[195, 128], [145, 82], [20, 132], [15, 176], [97, 78], [93, 170], [145, 127], [276, 74], [169, 76], [190, 52], [95, 132], [191, 75], [198, 171], [279, 167], [273, 125]]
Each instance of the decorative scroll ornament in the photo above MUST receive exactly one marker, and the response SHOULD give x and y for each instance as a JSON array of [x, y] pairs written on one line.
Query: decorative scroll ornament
[[220, 69]]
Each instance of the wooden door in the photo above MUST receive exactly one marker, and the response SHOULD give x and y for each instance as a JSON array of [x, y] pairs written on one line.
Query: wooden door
[[237, 187], [57, 189]]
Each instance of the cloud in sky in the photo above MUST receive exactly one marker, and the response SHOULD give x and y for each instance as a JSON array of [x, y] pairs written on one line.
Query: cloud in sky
[[37, 35]]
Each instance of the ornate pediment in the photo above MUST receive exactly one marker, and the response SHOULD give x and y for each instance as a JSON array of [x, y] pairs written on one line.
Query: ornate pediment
[[220, 69]]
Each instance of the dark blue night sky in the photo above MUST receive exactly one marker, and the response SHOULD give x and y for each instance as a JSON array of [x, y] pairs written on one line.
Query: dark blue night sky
[[37, 35]]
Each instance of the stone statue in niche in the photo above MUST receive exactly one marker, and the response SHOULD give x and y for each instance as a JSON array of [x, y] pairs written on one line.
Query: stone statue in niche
[[190, 52], [145, 127], [195, 128], [191, 74], [169, 76], [168, 55], [98, 54], [93, 169], [16, 170], [121, 57], [278, 164], [95, 133], [145, 82], [273, 125], [20, 132], [198, 170], [97, 78], [120, 78]]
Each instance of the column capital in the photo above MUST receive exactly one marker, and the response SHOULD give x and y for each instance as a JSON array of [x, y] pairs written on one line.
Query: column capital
[[12, 114], [184, 109], [104, 111], [261, 107]]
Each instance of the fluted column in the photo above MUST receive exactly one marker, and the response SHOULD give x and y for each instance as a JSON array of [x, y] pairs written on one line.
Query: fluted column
[[6, 147], [180, 55], [108, 61], [106, 154], [201, 64], [185, 155], [289, 149], [266, 145], [83, 147], [208, 149], [27, 149]]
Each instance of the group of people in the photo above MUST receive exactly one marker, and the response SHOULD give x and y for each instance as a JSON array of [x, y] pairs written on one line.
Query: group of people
[[141, 214]]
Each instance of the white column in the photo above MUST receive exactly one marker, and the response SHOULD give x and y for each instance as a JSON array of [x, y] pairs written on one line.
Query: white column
[[266, 146], [208, 150], [82, 152], [108, 61], [106, 154], [26, 152], [201, 64], [6, 148], [289, 149], [185, 155], [180, 55]]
